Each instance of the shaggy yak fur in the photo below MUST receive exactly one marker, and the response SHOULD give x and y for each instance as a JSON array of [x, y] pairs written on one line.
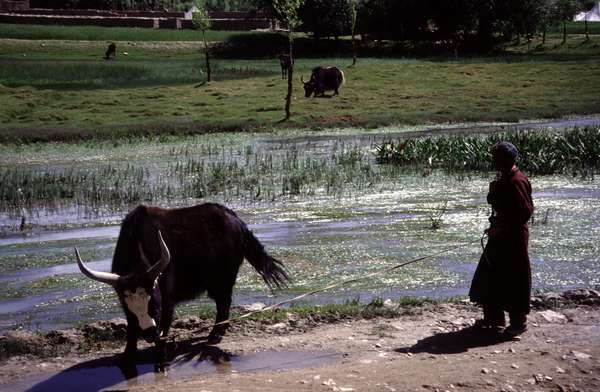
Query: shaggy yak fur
[[111, 51], [206, 243], [286, 63], [323, 79]]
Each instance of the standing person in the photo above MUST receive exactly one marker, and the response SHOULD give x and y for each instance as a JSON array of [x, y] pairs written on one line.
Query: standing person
[[502, 281]]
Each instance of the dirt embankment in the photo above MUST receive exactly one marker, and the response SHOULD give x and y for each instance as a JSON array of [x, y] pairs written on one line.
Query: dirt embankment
[[432, 347]]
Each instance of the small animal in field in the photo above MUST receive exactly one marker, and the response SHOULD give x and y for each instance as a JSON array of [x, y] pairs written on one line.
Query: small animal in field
[[323, 79], [286, 64], [111, 52], [167, 256]]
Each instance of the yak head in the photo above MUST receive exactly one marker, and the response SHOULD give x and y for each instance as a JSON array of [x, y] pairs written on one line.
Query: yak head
[[139, 292], [309, 87]]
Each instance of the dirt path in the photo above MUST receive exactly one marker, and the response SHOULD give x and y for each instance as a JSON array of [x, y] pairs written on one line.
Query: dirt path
[[431, 348]]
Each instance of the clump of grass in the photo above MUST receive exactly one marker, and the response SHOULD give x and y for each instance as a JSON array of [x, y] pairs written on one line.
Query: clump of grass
[[206, 171], [352, 309], [65, 74], [25, 187], [436, 214], [10, 347], [575, 151], [254, 174]]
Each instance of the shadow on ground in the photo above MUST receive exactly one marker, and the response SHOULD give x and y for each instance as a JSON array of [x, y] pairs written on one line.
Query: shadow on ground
[[187, 358], [107, 373], [456, 341]]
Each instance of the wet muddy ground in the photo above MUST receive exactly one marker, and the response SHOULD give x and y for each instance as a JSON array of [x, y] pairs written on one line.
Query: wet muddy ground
[[426, 348]]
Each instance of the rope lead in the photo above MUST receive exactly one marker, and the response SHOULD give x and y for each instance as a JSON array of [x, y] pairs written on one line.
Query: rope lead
[[352, 280]]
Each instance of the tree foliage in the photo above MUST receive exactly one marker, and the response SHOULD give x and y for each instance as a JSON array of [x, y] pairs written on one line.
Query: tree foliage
[[288, 12], [327, 18], [201, 21]]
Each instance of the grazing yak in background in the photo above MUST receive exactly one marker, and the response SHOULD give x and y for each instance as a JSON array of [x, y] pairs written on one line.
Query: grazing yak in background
[[111, 52], [323, 79], [166, 256], [286, 63]]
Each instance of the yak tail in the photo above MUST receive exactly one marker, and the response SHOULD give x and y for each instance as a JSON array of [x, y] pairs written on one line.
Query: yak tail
[[343, 78], [271, 269]]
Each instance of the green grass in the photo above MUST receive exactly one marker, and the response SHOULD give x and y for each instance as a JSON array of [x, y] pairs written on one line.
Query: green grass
[[577, 28], [96, 33], [66, 89]]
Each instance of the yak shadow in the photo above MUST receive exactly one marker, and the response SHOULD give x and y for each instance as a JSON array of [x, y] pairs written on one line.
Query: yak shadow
[[109, 373], [456, 342]]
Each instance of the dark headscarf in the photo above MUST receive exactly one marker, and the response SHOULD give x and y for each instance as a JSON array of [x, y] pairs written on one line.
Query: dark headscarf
[[506, 151]]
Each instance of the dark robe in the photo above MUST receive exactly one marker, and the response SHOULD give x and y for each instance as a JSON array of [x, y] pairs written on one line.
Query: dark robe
[[503, 276]]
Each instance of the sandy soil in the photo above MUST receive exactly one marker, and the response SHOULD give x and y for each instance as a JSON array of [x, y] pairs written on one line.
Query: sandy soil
[[430, 348]]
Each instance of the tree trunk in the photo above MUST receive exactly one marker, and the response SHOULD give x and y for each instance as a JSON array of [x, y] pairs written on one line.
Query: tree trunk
[[544, 36], [587, 32], [288, 97], [564, 31], [207, 56], [353, 50], [290, 80]]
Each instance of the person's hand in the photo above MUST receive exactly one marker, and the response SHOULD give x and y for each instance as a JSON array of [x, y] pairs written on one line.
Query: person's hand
[[491, 232]]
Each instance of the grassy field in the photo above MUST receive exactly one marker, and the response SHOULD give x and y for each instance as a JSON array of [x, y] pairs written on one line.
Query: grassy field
[[64, 90], [578, 28]]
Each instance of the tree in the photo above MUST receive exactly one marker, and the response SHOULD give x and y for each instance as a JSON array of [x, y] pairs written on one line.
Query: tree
[[287, 10], [353, 15], [547, 17], [201, 21], [524, 17], [565, 11], [586, 5], [326, 18]]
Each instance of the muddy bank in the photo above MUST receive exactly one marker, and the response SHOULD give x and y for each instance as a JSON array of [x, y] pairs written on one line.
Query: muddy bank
[[112, 333], [567, 325]]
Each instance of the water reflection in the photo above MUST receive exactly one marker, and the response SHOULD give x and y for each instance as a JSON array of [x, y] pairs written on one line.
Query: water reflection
[[191, 359]]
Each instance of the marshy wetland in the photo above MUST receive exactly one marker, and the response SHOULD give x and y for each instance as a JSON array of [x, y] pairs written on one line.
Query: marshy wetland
[[325, 203]]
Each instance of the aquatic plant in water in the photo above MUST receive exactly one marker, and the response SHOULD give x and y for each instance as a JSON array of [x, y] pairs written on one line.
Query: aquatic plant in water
[[575, 151]]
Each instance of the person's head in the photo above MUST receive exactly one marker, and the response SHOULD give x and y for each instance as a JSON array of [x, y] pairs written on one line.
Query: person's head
[[504, 155]]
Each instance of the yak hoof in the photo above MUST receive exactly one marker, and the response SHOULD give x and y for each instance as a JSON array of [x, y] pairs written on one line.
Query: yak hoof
[[161, 367], [215, 338], [128, 368]]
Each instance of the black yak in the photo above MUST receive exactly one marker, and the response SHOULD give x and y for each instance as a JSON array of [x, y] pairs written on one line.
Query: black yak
[[323, 79], [166, 256], [286, 63], [111, 52]]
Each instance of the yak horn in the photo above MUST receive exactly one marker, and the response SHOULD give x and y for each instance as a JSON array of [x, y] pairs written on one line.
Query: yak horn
[[104, 277], [302, 79], [165, 258]]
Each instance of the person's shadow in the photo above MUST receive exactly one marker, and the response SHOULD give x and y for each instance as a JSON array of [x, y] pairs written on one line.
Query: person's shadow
[[456, 342], [104, 373]]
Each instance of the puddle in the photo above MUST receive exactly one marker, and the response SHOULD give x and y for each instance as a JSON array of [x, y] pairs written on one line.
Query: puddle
[[101, 375], [63, 269], [95, 232], [14, 306]]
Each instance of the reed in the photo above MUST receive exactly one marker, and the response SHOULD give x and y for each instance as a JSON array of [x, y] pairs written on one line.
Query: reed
[[188, 171], [575, 151]]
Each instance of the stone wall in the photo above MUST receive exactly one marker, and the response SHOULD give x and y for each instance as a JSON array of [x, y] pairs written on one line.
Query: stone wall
[[224, 21], [14, 5]]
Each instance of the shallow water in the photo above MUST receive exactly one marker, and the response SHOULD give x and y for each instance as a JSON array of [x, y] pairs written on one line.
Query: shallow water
[[103, 374], [322, 238]]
